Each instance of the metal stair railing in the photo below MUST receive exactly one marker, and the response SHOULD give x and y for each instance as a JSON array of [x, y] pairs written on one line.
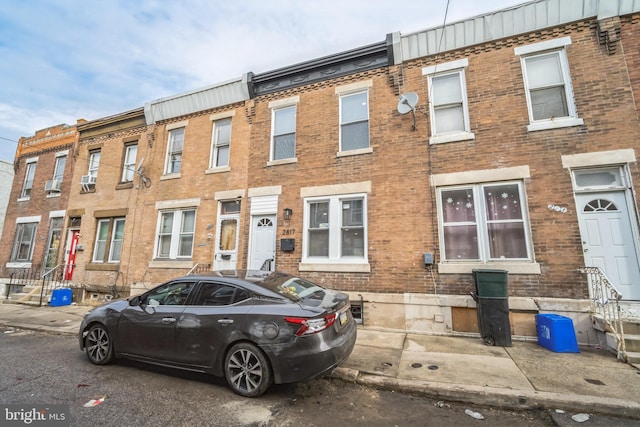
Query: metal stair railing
[[53, 279], [605, 303], [199, 268]]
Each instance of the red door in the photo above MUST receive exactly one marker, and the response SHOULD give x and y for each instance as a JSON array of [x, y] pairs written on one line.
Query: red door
[[71, 259]]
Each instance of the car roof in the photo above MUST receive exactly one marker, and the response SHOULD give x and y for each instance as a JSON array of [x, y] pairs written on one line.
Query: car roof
[[249, 279]]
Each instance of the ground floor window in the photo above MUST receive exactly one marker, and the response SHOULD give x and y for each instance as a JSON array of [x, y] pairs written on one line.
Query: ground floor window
[[484, 222], [175, 234], [23, 243], [109, 235], [336, 228]]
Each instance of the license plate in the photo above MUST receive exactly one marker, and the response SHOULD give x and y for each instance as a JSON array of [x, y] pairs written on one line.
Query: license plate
[[343, 318]]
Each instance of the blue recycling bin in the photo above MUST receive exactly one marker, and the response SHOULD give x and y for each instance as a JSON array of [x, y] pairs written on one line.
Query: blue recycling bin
[[61, 296], [556, 333]]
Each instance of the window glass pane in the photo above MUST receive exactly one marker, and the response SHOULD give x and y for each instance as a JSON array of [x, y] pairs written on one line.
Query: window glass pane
[[503, 202], [222, 157], [177, 138], [94, 162], [186, 244], [188, 221], [598, 178], [458, 205], [103, 230], [284, 121], [101, 245], [461, 242], [284, 146], [164, 246], [230, 207], [548, 103], [449, 119], [507, 240], [24, 242], [319, 215], [228, 228], [544, 70], [355, 136], [354, 107], [353, 241], [319, 242], [446, 89], [59, 168], [166, 222], [223, 132], [352, 213]]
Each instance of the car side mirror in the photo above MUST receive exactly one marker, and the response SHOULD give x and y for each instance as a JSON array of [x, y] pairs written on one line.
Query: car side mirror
[[135, 301]]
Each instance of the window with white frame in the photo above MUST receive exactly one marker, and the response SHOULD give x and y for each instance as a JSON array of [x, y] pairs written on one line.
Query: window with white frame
[[94, 163], [354, 121], [129, 162], [174, 151], [29, 176], [175, 234], [24, 242], [335, 228], [484, 222], [448, 103], [58, 169], [284, 133], [547, 82], [221, 143], [108, 244]]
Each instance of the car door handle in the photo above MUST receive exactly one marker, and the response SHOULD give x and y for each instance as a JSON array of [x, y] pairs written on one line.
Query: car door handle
[[168, 320], [225, 321]]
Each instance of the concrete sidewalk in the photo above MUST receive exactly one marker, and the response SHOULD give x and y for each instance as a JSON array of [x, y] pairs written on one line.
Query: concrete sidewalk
[[524, 375]]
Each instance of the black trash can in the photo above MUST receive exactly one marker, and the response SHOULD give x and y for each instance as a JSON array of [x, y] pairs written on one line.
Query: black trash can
[[492, 298]]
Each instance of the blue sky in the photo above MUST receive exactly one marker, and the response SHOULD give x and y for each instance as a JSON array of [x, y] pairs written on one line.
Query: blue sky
[[68, 59]]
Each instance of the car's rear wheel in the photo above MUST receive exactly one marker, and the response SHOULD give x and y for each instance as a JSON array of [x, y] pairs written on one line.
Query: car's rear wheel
[[98, 345], [247, 370]]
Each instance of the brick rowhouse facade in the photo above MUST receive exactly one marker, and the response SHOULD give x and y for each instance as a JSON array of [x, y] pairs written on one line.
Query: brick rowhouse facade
[[229, 167], [39, 202]]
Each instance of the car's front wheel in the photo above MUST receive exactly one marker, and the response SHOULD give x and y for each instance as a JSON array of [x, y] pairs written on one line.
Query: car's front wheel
[[247, 370], [98, 345]]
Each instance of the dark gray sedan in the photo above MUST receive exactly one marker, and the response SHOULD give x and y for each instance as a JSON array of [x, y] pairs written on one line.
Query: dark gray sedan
[[255, 328]]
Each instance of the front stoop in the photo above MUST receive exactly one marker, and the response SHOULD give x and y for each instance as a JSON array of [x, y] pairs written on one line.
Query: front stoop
[[30, 295], [631, 328]]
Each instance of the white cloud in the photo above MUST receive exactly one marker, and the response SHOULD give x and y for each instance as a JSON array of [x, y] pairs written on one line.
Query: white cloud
[[70, 59]]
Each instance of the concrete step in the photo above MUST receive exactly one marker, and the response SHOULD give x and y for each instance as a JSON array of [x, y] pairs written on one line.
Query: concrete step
[[632, 342], [631, 326], [633, 358]]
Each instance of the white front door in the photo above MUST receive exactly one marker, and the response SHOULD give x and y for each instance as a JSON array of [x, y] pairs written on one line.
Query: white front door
[[226, 254], [608, 239], [263, 242]]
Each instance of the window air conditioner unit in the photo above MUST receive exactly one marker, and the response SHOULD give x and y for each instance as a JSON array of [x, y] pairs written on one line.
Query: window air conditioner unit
[[88, 179], [53, 185]]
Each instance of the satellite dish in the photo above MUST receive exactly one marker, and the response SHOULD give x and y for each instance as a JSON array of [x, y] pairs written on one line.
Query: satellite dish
[[407, 102]]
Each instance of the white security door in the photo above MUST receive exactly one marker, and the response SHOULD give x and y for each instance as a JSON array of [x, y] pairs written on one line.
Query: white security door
[[263, 242], [609, 240]]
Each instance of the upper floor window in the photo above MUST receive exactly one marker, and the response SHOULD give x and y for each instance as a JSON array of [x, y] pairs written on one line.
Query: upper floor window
[[175, 234], [174, 151], [24, 242], [354, 121], [221, 143], [448, 104], [547, 84], [29, 176], [484, 222], [108, 244], [58, 169], [283, 128], [94, 163], [129, 162]]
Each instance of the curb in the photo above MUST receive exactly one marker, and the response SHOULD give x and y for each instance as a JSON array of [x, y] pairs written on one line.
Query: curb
[[495, 397], [39, 328]]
